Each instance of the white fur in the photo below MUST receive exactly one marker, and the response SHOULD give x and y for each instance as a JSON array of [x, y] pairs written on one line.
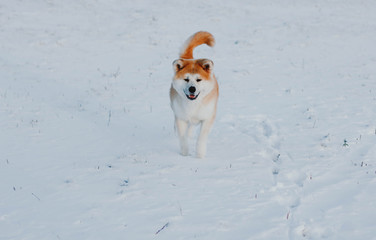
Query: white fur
[[192, 111], [189, 113]]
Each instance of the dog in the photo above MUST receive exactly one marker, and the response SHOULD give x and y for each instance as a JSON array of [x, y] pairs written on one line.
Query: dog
[[194, 94]]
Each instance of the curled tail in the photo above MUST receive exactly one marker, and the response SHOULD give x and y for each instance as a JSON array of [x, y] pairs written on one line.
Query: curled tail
[[194, 41]]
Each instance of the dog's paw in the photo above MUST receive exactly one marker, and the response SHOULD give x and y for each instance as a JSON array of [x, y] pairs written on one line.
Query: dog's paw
[[184, 154], [184, 151], [201, 149], [184, 148], [201, 152]]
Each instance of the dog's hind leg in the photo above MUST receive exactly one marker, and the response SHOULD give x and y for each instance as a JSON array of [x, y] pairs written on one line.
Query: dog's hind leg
[[190, 130], [203, 137], [182, 127]]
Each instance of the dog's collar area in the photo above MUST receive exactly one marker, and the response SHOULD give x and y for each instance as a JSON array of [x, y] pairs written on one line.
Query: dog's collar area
[[192, 96]]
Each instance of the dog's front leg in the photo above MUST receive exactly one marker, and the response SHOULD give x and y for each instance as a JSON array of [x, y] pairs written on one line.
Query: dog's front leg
[[182, 127], [203, 137]]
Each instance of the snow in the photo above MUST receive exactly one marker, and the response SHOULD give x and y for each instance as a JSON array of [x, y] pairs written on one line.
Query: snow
[[87, 144]]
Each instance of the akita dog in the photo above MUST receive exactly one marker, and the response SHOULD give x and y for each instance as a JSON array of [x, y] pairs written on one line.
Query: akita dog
[[194, 93]]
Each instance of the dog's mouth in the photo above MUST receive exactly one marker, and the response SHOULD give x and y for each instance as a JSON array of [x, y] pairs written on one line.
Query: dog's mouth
[[192, 96]]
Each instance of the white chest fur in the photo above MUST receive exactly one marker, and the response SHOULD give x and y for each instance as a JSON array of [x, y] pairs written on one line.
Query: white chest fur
[[192, 111]]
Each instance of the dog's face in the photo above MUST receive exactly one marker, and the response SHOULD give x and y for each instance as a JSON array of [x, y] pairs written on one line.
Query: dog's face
[[193, 78]]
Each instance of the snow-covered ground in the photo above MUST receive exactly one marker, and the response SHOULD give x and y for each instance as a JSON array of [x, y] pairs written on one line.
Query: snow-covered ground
[[87, 144]]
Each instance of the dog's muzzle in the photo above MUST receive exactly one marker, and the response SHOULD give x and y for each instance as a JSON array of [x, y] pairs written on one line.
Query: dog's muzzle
[[191, 95]]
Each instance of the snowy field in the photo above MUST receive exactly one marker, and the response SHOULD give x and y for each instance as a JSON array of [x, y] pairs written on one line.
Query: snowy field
[[87, 144]]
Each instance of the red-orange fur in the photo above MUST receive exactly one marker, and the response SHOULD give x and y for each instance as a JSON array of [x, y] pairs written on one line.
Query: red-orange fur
[[196, 40], [192, 66]]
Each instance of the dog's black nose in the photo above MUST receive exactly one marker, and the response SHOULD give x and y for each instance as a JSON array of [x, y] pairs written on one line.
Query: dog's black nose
[[192, 89]]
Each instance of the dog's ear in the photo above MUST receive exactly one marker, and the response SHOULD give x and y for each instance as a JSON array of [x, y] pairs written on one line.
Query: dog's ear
[[206, 64], [178, 65]]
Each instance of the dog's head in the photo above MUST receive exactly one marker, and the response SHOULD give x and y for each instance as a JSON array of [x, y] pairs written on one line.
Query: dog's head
[[193, 77]]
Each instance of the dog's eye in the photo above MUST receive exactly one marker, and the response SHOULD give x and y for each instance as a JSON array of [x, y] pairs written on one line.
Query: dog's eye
[[198, 80], [186, 79]]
